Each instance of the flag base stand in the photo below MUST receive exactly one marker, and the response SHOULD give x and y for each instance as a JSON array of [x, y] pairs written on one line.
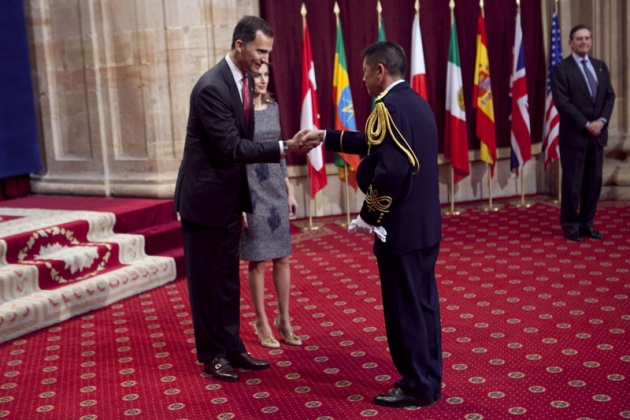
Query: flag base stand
[[487, 207], [553, 201], [452, 211], [342, 222], [522, 204], [309, 227]]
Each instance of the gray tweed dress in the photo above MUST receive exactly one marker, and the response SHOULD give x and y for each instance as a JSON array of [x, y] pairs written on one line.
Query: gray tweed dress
[[267, 236]]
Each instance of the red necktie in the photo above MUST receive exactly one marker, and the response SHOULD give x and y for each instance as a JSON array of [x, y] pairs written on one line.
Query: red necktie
[[246, 99]]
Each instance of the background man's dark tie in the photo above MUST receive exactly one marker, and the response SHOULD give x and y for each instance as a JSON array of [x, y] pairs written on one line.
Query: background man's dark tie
[[246, 99], [591, 80]]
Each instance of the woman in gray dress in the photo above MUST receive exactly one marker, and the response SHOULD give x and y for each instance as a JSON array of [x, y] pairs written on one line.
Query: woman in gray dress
[[266, 233]]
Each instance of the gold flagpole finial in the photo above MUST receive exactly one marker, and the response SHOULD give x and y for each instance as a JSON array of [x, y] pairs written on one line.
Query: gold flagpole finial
[[336, 9], [379, 9], [481, 4], [556, 5], [303, 11], [518, 4], [417, 6], [452, 5]]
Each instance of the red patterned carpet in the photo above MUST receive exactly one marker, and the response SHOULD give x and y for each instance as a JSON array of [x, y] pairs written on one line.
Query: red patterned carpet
[[534, 327]]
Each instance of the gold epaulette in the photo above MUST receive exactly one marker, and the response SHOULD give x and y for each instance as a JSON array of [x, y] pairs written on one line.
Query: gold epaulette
[[380, 123]]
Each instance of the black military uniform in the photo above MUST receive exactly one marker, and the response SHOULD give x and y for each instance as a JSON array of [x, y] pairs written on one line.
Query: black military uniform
[[399, 177]]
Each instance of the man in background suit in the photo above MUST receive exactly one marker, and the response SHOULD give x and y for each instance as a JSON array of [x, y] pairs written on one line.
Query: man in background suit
[[584, 97], [399, 177], [212, 191]]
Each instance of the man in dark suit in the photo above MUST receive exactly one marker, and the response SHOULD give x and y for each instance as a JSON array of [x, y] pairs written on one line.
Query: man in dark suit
[[584, 97], [399, 177], [212, 191]]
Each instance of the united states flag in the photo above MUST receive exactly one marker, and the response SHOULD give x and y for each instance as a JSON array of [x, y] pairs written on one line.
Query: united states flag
[[520, 135], [552, 119]]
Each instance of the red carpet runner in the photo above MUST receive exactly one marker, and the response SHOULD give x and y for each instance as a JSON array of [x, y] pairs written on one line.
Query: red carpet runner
[[534, 327]]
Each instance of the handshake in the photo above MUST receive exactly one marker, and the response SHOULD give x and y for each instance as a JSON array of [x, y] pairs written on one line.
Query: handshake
[[304, 141]]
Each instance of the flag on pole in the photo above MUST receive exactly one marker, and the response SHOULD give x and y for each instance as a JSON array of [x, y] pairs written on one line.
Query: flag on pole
[[455, 135], [552, 118], [381, 36], [482, 99], [381, 28], [520, 133], [309, 117], [418, 70], [342, 97]]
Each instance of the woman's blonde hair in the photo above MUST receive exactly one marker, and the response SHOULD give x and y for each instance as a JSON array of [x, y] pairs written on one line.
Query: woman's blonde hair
[[266, 98]]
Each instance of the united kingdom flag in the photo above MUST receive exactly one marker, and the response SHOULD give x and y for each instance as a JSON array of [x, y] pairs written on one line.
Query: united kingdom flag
[[520, 134]]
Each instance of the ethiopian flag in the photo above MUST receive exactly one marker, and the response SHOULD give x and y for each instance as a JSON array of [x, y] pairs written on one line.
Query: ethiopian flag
[[344, 108]]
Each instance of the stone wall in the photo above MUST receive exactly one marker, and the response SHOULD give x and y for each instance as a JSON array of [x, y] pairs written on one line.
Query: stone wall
[[112, 80]]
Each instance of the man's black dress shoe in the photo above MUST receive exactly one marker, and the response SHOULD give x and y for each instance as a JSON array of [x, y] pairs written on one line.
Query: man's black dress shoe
[[398, 398], [591, 233], [245, 361], [573, 235], [220, 368]]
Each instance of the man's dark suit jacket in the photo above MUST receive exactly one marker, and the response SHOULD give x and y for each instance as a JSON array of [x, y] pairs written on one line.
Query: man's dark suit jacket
[[212, 182], [574, 104], [413, 220]]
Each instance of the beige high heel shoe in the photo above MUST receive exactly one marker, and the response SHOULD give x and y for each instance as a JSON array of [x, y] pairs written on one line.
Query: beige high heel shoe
[[269, 341], [291, 339]]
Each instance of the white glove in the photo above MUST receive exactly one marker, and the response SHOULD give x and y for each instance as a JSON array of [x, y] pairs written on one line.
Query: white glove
[[380, 233], [358, 225]]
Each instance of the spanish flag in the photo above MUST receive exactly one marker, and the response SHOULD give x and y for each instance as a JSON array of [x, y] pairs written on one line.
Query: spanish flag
[[482, 99]]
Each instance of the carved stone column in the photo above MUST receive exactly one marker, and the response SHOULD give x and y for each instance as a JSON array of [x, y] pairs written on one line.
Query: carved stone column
[[112, 79], [610, 43]]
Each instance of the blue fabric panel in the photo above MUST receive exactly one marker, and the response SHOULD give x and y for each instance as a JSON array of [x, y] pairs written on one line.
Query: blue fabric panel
[[19, 153]]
